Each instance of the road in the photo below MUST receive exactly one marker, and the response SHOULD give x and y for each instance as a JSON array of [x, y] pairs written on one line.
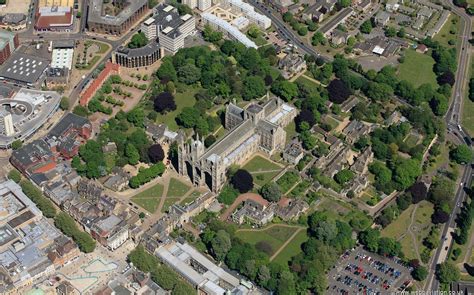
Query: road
[[453, 122], [30, 35], [283, 30]]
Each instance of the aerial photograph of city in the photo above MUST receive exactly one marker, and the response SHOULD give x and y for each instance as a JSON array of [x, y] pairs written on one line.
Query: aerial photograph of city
[[234, 147]]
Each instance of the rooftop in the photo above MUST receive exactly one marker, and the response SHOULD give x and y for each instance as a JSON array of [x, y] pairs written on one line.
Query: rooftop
[[96, 12], [24, 68]]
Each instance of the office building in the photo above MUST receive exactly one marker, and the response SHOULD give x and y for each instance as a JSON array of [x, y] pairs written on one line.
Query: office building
[[173, 28]]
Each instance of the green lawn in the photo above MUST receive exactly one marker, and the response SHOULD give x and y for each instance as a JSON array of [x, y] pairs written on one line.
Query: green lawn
[[185, 99], [91, 63], [110, 160], [331, 121], [411, 140], [468, 109], [274, 236], [168, 202], [190, 198], [445, 35], [290, 131], [417, 69], [398, 227], [421, 227], [260, 164], [150, 198], [307, 82], [177, 188], [287, 181], [262, 170], [292, 249]]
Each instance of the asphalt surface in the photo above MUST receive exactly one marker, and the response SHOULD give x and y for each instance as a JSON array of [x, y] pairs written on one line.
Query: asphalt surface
[[284, 31], [453, 120], [30, 35]]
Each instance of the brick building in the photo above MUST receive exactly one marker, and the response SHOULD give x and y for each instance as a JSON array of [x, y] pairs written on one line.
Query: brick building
[[8, 43], [110, 69]]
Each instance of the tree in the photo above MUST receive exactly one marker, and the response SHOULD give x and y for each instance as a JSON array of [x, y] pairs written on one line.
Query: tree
[[17, 144], [343, 3], [318, 38], [461, 154], [132, 154], [14, 175], [338, 91], [287, 17], [242, 180], [164, 102], [442, 191], [81, 111], [439, 104], [379, 91], [254, 87], [271, 192], [446, 78], [166, 71], [419, 273], [447, 273], [460, 3], [285, 89], [302, 30], [138, 40], [389, 247], [221, 244], [228, 195], [210, 35], [136, 117], [209, 140], [418, 192], [344, 176], [326, 230], [370, 239], [156, 153], [366, 27], [253, 31], [439, 216], [390, 32], [64, 104], [189, 74], [188, 117]]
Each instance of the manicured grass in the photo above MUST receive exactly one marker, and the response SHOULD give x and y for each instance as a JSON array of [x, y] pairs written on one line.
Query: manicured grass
[[441, 159], [292, 249], [444, 35], [185, 99], [150, 198], [262, 170], [398, 227], [176, 189], [415, 64], [412, 140], [168, 202], [287, 181], [110, 160], [190, 198], [274, 236], [299, 190], [331, 121], [468, 108], [307, 82], [260, 164], [290, 131], [468, 116], [91, 63], [103, 47], [421, 227]]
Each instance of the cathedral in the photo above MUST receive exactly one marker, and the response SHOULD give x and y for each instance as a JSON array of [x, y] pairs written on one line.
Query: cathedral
[[257, 127]]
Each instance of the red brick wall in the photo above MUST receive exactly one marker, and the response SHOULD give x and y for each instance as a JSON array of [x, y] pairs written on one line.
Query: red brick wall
[[110, 69]]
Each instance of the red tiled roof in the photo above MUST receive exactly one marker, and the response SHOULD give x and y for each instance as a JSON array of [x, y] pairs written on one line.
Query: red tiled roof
[[48, 21], [109, 69]]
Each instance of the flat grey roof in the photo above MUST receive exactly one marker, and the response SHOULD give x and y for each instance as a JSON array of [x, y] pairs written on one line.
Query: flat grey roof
[[24, 68], [149, 49], [96, 16]]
